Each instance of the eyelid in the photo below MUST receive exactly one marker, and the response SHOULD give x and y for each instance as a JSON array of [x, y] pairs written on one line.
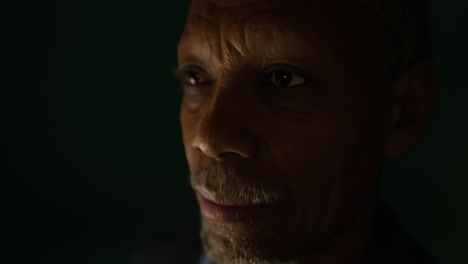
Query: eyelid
[[270, 69], [181, 71], [280, 66]]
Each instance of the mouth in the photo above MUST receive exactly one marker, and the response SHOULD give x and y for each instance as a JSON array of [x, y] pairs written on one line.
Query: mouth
[[227, 209]]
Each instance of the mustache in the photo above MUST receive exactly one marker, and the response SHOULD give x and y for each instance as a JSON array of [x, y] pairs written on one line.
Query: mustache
[[226, 183]]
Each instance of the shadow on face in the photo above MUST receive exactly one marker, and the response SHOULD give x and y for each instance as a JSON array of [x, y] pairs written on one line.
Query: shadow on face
[[286, 119]]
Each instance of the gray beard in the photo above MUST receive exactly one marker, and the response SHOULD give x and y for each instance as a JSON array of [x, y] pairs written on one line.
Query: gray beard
[[224, 247]]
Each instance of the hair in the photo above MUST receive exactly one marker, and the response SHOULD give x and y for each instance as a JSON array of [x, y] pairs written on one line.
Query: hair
[[405, 31]]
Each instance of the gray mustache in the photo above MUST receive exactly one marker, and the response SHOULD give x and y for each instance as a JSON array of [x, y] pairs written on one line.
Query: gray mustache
[[225, 182]]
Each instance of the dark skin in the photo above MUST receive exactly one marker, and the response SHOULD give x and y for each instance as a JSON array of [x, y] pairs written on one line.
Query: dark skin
[[292, 98]]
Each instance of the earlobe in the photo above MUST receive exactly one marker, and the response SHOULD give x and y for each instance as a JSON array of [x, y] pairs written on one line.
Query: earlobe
[[412, 102]]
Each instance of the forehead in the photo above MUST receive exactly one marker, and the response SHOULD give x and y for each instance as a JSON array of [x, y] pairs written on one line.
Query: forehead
[[226, 16], [326, 36], [238, 24]]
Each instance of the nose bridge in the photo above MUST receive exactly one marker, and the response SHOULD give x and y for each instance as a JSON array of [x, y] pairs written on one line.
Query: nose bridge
[[224, 128]]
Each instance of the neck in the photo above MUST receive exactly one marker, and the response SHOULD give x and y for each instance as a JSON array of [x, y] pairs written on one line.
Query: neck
[[352, 244]]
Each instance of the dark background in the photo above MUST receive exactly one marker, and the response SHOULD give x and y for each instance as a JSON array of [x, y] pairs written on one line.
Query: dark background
[[96, 156]]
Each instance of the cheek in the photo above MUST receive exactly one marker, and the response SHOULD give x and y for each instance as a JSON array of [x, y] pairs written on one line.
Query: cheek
[[188, 125], [307, 156], [324, 166]]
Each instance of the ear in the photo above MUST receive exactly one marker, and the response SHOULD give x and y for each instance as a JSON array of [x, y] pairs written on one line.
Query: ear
[[412, 103]]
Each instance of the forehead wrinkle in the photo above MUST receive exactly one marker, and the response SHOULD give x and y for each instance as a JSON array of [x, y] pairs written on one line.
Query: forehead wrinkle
[[232, 28], [225, 41], [241, 33], [231, 41]]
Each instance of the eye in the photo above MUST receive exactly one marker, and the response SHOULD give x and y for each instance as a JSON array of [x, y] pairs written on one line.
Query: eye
[[193, 76], [285, 78]]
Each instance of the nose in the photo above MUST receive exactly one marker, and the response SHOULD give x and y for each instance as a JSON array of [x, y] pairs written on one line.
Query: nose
[[225, 130]]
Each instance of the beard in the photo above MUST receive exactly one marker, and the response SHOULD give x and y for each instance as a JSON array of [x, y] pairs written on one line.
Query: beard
[[252, 241], [226, 247]]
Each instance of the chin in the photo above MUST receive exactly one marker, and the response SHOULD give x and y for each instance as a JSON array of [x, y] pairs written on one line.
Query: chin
[[242, 243]]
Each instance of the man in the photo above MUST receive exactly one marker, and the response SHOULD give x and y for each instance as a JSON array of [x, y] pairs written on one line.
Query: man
[[289, 110]]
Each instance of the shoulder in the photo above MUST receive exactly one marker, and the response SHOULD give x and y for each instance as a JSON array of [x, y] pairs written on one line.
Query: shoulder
[[395, 245], [185, 248]]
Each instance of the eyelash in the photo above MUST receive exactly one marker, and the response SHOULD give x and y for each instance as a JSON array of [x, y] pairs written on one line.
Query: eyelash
[[274, 68], [186, 71], [264, 77]]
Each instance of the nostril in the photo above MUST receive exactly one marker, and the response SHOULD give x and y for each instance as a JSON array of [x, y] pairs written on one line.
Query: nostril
[[229, 154], [219, 141]]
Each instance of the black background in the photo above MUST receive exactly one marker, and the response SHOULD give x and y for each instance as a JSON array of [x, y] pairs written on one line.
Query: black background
[[95, 150]]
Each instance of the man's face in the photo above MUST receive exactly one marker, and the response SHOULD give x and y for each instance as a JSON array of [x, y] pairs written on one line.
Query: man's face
[[283, 119]]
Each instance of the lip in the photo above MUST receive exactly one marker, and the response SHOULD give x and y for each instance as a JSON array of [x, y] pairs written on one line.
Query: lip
[[226, 201], [222, 209]]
